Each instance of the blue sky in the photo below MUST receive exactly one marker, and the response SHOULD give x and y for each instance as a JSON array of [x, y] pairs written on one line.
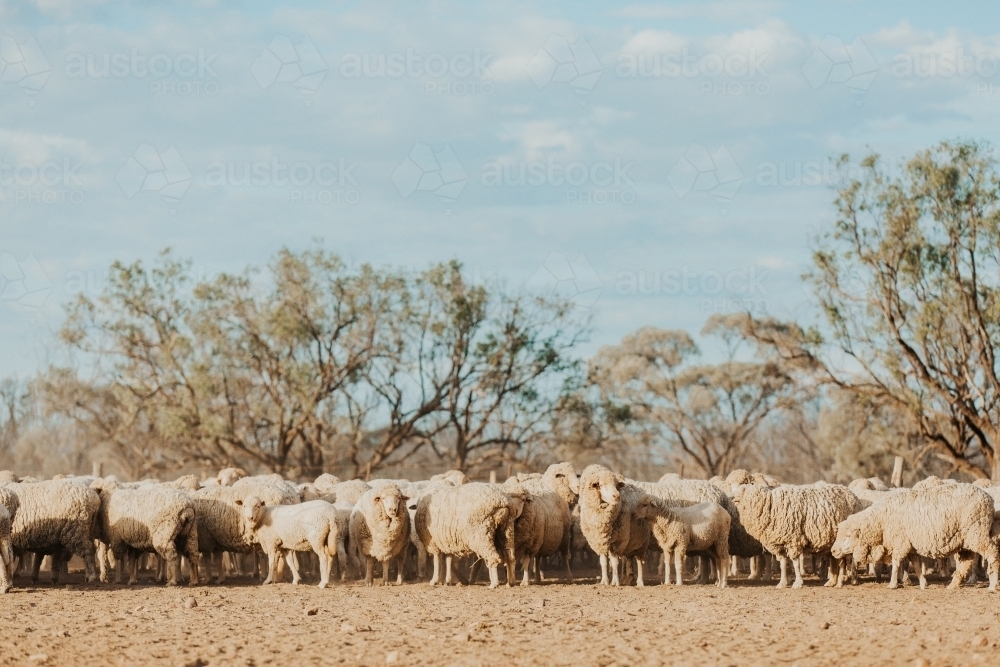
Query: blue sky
[[657, 162]]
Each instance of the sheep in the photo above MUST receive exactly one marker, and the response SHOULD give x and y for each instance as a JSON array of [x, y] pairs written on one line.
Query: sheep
[[349, 491], [607, 504], [185, 483], [154, 519], [679, 492], [380, 530], [229, 476], [470, 519], [281, 529], [453, 477], [6, 551], [935, 521], [417, 492], [792, 520], [325, 482], [220, 525], [55, 518], [679, 530], [552, 494]]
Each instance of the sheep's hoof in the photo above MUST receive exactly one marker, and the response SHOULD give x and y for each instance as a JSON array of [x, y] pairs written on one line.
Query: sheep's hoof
[[322, 585], [897, 586], [781, 584], [797, 584]]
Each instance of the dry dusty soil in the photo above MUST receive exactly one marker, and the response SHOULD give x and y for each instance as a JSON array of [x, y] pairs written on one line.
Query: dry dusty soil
[[551, 624]]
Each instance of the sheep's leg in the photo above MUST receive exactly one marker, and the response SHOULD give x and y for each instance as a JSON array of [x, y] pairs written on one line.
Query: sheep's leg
[[799, 564], [661, 569], [447, 570], [832, 575], [272, 557], [754, 568], [292, 558], [783, 582], [680, 555], [639, 562], [399, 571], [495, 576], [721, 567], [133, 560], [369, 570], [526, 566], [437, 569], [614, 560], [36, 566], [102, 561], [421, 561], [894, 575], [325, 565], [604, 570]]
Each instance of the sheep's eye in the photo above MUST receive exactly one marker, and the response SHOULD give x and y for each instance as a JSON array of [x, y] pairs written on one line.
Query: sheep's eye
[[560, 476], [377, 499]]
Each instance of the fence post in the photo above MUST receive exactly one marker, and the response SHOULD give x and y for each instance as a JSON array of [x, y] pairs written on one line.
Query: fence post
[[493, 477], [680, 473], [368, 471], [897, 472], [98, 469]]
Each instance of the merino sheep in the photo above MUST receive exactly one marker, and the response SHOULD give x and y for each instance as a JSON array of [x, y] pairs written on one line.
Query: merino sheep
[[153, 519], [281, 529], [380, 530], [55, 518], [552, 494], [790, 521], [607, 504], [349, 491], [935, 521], [680, 530], [229, 476], [221, 527], [470, 519]]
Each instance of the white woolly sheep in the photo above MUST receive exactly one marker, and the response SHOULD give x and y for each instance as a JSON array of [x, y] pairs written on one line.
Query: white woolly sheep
[[681, 530], [229, 476], [54, 518], [551, 495], [348, 491], [471, 519], [453, 477], [790, 521], [281, 529], [935, 521], [380, 530], [607, 504], [149, 520]]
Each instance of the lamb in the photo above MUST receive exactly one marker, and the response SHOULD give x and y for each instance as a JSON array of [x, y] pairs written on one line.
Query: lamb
[[607, 504], [935, 521], [683, 492], [54, 518], [153, 519], [380, 530], [679, 530], [552, 494], [280, 529], [792, 520], [470, 519]]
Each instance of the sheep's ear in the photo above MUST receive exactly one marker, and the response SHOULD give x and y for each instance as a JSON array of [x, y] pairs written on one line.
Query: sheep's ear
[[377, 499]]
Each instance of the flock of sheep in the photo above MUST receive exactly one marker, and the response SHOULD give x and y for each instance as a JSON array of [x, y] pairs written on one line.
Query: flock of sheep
[[746, 519]]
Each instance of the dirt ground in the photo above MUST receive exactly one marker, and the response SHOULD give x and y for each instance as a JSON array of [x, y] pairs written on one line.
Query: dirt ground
[[551, 624]]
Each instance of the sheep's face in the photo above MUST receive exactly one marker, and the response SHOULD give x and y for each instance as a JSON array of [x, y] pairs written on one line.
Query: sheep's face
[[393, 502], [646, 509], [847, 540], [609, 490], [252, 510], [567, 484]]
